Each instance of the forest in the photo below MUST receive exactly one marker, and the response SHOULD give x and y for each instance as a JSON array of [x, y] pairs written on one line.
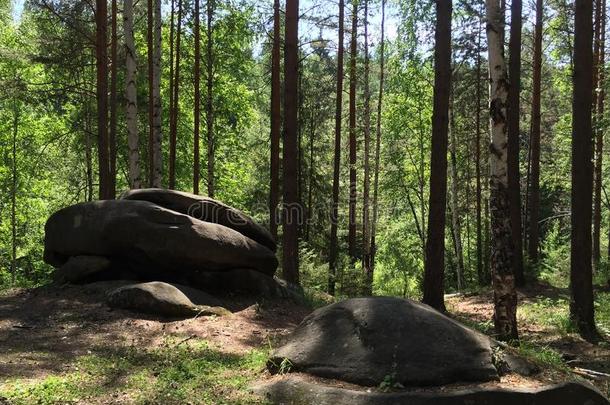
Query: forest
[[445, 152]]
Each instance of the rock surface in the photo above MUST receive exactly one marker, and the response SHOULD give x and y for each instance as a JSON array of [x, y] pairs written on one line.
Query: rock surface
[[79, 268], [205, 209], [244, 281], [151, 240], [164, 299], [367, 340], [293, 390]]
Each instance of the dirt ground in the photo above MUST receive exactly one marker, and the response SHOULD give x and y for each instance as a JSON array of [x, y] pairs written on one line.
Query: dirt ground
[[577, 353], [43, 330]]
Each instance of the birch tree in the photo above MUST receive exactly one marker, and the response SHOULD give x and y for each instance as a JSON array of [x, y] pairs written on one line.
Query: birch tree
[[503, 277]]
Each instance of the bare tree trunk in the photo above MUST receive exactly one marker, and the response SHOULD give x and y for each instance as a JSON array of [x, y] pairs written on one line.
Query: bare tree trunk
[[209, 109], [174, 126], [378, 140], [599, 134], [581, 306], [88, 152], [292, 209], [276, 121], [14, 193], [312, 137], [157, 156], [131, 96], [151, 102], [534, 195], [513, 111], [172, 84], [455, 212], [366, 221], [503, 277], [332, 260], [352, 134], [434, 265], [113, 102], [101, 22], [196, 108], [480, 270]]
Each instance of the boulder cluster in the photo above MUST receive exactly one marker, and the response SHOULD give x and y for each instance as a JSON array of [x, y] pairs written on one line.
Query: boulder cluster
[[157, 235]]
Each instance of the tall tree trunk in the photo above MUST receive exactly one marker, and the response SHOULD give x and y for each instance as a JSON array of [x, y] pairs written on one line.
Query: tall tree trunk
[[197, 95], [434, 266], [503, 277], [455, 212], [599, 134], [113, 102], [209, 108], [101, 54], [581, 306], [151, 109], [378, 139], [352, 134], [480, 270], [292, 209], [172, 84], [131, 97], [14, 174], [534, 182], [513, 111], [366, 221], [176, 108], [276, 120], [332, 260], [88, 152], [157, 159], [312, 137]]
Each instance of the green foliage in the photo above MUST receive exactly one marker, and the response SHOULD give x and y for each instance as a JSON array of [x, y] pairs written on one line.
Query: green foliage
[[602, 312], [548, 312], [544, 356], [554, 268]]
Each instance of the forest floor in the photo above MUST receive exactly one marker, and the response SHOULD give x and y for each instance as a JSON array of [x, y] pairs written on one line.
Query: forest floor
[[64, 345], [546, 333]]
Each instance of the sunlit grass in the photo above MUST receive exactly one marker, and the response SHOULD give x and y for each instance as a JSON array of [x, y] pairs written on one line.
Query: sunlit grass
[[176, 373]]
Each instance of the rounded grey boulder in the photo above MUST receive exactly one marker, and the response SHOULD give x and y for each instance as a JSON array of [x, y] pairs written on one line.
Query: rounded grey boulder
[[370, 340]]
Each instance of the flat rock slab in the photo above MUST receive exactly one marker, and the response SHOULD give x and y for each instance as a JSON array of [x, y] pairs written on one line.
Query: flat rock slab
[[163, 299], [294, 390], [205, 209], [368, 340], [151, 240], [245, 281]]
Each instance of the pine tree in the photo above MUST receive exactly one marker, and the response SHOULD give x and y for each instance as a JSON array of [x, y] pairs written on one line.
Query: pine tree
[[434, 265], [292, 209], [131, 94]]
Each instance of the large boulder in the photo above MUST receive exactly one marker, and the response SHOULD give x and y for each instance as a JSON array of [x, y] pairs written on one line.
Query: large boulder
[[369, 340], [163, 299], [150, 239], [295, 390], [205, 209]]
